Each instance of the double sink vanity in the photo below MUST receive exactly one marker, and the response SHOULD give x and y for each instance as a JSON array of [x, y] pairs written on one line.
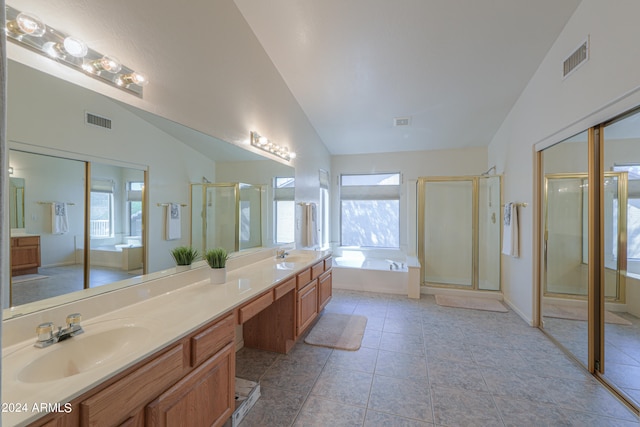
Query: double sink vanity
[[161, 353]]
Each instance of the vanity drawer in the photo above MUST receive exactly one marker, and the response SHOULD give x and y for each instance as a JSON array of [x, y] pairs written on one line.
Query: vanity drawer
[[211, 340], [317, 269], [27, 241], [283, 288], [303, 278], [328, 263], [118, 401], [249, 310]]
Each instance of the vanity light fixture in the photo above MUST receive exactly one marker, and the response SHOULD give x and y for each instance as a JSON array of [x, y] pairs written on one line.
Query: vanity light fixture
[[31, 32], [264, 144]]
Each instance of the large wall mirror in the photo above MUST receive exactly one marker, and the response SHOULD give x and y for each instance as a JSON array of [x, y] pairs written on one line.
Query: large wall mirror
[[95, 196]]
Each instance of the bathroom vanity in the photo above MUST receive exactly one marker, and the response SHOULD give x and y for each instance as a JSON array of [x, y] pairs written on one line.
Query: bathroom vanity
[[25, 254], [170, 357]]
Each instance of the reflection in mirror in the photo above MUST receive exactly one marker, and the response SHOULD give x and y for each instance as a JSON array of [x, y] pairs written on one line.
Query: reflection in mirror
[[137, 139], [16, 202], [226, 215], [565, 252], [621, 364], [115, 223], [46, 254]]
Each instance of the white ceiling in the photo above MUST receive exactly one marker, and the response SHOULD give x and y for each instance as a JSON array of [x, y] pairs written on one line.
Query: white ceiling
[[455, 66]]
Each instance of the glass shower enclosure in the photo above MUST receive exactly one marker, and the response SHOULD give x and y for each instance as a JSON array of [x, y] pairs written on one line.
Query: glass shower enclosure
[[459, 231], [226, 215]]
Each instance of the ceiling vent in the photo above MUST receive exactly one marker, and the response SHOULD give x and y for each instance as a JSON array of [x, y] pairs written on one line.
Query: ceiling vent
[[576, 59], [94, 120], [402, 121]]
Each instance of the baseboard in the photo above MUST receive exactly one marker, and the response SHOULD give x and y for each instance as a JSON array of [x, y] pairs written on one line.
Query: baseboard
[[431, 290], [516, 310]]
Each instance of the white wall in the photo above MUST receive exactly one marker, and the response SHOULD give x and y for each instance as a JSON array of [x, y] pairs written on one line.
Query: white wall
[[412, 165], [551, 109]]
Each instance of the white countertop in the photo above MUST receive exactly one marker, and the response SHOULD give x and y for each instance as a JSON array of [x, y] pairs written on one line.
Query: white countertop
[[168, 317]]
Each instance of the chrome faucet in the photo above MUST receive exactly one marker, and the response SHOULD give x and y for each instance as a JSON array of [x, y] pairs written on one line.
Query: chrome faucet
[[281, 253], [46, 335]]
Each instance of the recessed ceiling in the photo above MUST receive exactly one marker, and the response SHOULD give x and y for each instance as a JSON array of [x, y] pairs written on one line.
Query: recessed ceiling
[[455, 67]]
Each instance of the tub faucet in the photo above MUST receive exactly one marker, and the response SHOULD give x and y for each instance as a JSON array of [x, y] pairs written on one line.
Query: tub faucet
[[46, 335], [281, 253]]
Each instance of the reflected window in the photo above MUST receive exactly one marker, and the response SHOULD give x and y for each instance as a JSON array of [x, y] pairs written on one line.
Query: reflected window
[[101, 220], [633, 213], [284, 209], [134, 207], [370, 210], [324, 209]]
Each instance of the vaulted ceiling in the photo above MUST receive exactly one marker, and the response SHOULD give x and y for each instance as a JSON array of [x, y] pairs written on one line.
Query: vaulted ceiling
[[455, 67]]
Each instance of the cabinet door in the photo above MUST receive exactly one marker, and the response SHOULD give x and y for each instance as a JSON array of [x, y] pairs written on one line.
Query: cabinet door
[[307, 305], [324, 290], [205, 397]]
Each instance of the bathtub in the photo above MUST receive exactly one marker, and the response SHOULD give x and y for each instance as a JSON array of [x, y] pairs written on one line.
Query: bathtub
[[375, 272], [124, 256]]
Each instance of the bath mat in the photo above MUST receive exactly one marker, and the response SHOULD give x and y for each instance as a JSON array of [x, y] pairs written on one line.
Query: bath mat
[[486, 304], [27, 278], [335, 330], [579, 313]]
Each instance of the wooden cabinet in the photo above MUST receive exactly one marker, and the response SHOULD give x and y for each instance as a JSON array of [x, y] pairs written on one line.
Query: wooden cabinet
[[324, 290], [25, 255], [189, 383], [203, 398], [307, 306]]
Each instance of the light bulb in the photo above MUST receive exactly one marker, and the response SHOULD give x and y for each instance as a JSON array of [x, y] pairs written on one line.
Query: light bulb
[[263, 141], [106, 63], [132, 78], [292, 154], [27, 24], [75, 47]]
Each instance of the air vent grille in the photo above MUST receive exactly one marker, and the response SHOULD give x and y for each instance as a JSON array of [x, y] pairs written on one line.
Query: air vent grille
[[402, 121], [94, 120], [576, 59]]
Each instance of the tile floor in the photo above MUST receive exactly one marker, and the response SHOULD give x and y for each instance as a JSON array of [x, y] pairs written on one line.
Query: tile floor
[[622, 349], [63, 280], [425, 365]]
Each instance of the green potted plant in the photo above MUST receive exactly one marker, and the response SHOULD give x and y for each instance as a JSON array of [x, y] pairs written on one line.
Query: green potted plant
[[217, 260], [184, 256]]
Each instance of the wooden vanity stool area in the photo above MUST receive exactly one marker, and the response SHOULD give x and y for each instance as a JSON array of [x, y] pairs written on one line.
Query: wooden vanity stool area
[[274, 320]]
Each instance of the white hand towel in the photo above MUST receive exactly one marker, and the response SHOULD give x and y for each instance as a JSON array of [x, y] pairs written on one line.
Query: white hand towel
[[59, 218], [510, 234], [173, 222]]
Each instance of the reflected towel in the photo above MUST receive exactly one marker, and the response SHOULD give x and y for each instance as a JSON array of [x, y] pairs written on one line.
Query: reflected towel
[[510, 242], [173, 222], [59, 218], [309, 230]]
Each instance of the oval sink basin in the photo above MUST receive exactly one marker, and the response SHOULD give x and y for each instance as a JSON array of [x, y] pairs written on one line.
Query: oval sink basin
[[83, 353], [296, 258]]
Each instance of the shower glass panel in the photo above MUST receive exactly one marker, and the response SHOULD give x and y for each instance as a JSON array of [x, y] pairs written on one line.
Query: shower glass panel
[[448, 232], [221, 217], [489, 233], [565, 249], [250, 216]]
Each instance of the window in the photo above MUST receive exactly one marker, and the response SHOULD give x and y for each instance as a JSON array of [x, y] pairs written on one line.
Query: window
[[370, 210], [101, 217], [284, 209], [324, 209], [134, 207]]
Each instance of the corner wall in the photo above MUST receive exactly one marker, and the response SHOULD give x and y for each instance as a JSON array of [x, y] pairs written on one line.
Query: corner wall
[[551, 109]]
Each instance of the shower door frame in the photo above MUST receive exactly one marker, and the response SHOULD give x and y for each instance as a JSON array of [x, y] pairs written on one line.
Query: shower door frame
[[475, 230], [203, 216], [622, 235]]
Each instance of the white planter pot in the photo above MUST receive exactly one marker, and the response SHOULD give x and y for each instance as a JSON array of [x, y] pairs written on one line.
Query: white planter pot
[[180, 268], [218, 276]]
